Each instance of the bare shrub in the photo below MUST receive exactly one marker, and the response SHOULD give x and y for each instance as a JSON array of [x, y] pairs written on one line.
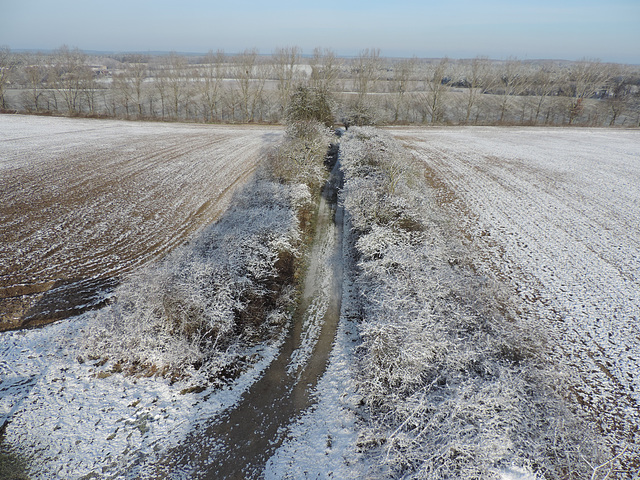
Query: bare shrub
[[300, 158], [309, 104], [193, 314], [451, 388], [383, 189], [196, 313]]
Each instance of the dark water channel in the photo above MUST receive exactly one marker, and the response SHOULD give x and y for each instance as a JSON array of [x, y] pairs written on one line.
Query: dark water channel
[[238, 444]]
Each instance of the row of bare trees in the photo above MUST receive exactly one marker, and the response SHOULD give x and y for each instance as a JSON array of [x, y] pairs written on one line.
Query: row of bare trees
[[480, 91], [366, 89], [217, 87]]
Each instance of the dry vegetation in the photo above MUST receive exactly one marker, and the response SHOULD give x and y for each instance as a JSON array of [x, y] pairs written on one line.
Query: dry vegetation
[[368, 89], [199, 311], [178, 330], [455, 383], [85, 202]]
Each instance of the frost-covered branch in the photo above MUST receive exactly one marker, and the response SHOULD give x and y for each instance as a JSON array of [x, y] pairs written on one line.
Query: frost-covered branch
[[197, 313], [451, 387]]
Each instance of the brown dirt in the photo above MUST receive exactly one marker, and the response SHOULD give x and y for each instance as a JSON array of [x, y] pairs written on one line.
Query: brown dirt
[[82, 206]]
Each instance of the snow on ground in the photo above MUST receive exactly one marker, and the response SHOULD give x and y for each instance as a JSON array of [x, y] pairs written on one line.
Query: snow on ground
[[70, 415], [84, 202], [79, 418], [322, 443], [551, 211], [555, 213]]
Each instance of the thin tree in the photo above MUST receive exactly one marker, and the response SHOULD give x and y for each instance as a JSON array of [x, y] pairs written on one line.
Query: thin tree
[[402, 73], [436, 90], [511, 79], [259, 100], [89, 89], [177, 82], [285, 71], [161, 85], [69, 72], [366, 72], [245, 71], [476, 82], [8, 64], [585, 79], [325, 70], [618, 93], [35, 75], [211, 84], [137, 73], [543, 85], [123, 91]]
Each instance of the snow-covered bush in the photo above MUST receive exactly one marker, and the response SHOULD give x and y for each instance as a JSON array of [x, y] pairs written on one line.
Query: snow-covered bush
[[309, 104], [383, 182], [300, 158], [212, 293], [359, 114], [451, 387], [197, 313]]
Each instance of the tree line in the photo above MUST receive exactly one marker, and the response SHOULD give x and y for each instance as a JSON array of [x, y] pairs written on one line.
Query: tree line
[[366, 89]]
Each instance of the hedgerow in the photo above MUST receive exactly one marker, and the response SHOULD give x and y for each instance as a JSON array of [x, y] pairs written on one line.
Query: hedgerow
[[197, 314], [452, 387]]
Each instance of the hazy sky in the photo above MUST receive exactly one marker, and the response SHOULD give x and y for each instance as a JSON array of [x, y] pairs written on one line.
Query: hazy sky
[[563, 29]]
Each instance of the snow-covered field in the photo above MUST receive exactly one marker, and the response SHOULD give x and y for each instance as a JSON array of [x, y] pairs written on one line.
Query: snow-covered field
[[555, 213], [548, 214], [84, 396], [71, 419], [83, 202]]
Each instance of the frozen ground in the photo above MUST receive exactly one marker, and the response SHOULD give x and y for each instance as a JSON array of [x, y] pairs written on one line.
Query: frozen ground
[[322, 443], [535, 205], [83, 202], [73, 419], [554, 213]]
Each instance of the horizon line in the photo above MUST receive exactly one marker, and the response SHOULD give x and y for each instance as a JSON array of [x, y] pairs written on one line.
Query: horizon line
[[309, 55]]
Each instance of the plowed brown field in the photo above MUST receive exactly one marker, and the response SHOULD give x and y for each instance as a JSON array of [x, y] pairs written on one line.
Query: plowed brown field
[[84, 202]]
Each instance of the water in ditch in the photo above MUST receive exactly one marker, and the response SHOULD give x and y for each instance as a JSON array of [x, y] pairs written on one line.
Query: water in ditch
[[238, 444]]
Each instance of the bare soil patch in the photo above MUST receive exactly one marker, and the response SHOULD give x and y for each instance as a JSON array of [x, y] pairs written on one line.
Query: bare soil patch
[[84, 202]]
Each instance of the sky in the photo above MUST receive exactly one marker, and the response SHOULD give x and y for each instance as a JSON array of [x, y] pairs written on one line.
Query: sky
[[608, 30]]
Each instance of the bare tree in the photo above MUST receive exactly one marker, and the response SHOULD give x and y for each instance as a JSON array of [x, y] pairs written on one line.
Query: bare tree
[[176, 80], [511, 79], [366, 72], [435, 92], [543, 85], [7, 66], [285, 65], [259, 101], [69, 72], [250, 79], [161, 86], [211, 84], [402, 72], [89, 89], [137, 73], [619, 92], [325, 69], [585, 79], [476, 81], [123, 91], [35, 75]]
